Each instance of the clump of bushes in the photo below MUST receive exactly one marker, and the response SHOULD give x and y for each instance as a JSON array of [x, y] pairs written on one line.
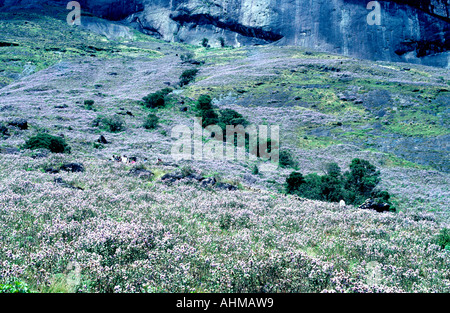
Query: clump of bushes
[[14, 287], [157, 99], [205, 42], [354, 186], [231, 117], [89, 104], [46, 141], [188, 76], [443, 239], [113, 123], [187, 57], [222, 42], [286, 159], [151, 122], [206, 111], [225, 117]]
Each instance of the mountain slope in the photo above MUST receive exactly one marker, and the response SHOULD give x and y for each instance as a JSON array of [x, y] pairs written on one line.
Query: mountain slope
[[111, 229]]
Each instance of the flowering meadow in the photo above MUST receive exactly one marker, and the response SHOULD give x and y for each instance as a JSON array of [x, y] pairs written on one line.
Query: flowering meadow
[[107, 229], [125, 234]]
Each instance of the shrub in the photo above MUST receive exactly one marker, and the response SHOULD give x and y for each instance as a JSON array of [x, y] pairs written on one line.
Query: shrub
[[89, 104], [157, 99], [186, 57], [15, 287], [332, 186], [361, 180], [205, 42], [46, 141], [286, 159], [151, 122], [3, 131], [209, 117], [204, 103], [294, 182], [188, 76], [231, 117], [206, 111], [222, 42], [255, 170], [443, 239], [354, 186], [114, 123]]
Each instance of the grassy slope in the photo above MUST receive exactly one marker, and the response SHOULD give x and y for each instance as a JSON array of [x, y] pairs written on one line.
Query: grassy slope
[[199, 239]]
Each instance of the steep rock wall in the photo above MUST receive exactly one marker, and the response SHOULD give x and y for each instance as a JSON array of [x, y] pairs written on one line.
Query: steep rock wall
[[415, 31]]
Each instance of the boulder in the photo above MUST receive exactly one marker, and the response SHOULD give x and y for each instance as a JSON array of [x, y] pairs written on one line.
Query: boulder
[[225, 186], [51, 170], [102, 139], [370, 204], [72, 167], [195, 176], [19, 123], [141, 173], [172, 177], [211, 181]]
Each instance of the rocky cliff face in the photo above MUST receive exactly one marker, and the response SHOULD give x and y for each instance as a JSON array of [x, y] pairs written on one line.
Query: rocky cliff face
[[415, 31]]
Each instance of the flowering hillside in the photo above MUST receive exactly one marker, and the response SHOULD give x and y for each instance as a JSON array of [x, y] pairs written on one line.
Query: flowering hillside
[[85, 221]]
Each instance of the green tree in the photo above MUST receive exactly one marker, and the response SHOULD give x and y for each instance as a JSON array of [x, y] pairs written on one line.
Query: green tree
[[360, 181], [294, 182], [222, 42], [188, 76]]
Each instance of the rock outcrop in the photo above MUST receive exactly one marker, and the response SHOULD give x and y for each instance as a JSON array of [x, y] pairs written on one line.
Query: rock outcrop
[[415, 31]]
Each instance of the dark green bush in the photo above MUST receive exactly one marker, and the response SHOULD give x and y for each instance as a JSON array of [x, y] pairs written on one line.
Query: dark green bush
[[231, 117], [89, 104], [361, 180], [222, 42], [157, 99], [188, 76], [113, 124], [286, 159], [46, 141], [206, 111], [151, 122], [354, 186], [294, 182], [205, 42], [186, 57], [14, 287], [443, 239], [204, 103]]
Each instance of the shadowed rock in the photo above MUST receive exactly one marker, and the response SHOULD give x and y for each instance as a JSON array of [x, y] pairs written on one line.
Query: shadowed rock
[[370, 204], [141, 173], [72, 167], [19, 123]]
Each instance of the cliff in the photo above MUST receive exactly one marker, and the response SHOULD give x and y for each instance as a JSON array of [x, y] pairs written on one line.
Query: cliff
[[410, 31]]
